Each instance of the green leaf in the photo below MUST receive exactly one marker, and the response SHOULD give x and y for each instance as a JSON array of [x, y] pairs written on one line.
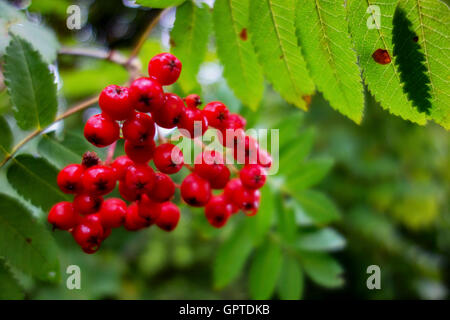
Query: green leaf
[[69, 150], [382, 80], [322, 269], [260, 224], [286, 223], [430, 19], [35, 180], [231, 256], [30, 85], [159, 3], [10, 288], [320, 240], [323, 34], [25, 243], [41, 38], [272, 30], [264, 271], [307, 174], [317, 206], [297, 150], [189, 41], [291, 282], [6, 138], [235, 51]]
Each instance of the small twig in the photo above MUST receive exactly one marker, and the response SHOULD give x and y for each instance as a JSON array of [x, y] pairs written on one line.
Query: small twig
[[110, 155], [109, 55]]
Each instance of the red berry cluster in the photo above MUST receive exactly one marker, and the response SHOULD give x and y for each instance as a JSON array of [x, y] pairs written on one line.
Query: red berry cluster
[[133, 111]]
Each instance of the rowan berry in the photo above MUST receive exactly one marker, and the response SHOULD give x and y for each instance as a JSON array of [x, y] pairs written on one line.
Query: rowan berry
[[63, 216], [140, 152], [139, 128], [218, 211], [133, 221], [164, 188], [169, 216], [252, 176], [89, 235], [146, 94], [115, 102], [69, 178], [168, 158], [120, 166], [87, 203], [112, 213], [101, 130], [169, 116], [195, 190], [148, 209], [99, 180], [140, 178], [165, 68], [217, 114], [193, 101]]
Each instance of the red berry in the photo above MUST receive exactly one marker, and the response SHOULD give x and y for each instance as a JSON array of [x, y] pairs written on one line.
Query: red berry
[[146, 95], [89, 235], [169, 216], [231, 137], [139, 128], [115, 102], [140, 178], [235, 121], [240, 196], [169, 116], [193, 123], [148, 209], [217, 114], [120, 166], [193, 101], [217, 211], [141, 152], [246, 151], [127, 193], [94, 217], [253, 176], [101, 131], [264, 159], [63, 216], [209, 164], [106, 233], [165, 68], [133, 221], [195, 190], [221, 180], [168, 158], [112, 213], [251, 203], [381, 56], [69, 178], [87, 203], [164, 188], [99, 180]]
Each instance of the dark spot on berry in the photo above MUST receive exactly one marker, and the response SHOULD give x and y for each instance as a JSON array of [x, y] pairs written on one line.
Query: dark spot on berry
[[69, 186], [219, 218], [172, 64], [94, 139], [221, 116], [101, 184], [198, 101], [248, 205], [90, 159], [93, 240], [145, 100], [172, 164], [118, 90], [167, 227], [243, 34], [176, 120], [97, 204], [140, 185], [258, 178], [28, 240], [192, 201]]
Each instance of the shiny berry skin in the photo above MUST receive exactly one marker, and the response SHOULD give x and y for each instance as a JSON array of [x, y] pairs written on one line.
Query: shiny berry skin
[[164, 188], [193, 123], [99, 180], [169, 116], [264, 159], [252, 176], [168, 158], [87, 203], [148, 209], [69, 178], [221, 180], [217, 211], [251, 203], [193, 100], [62, 216], [217, 114], [209, 164], [120, 166], [133, 221], [139, 128], [165, 68], [235, 121], [127, 193], [140, 179], [141, 152], [101, 130], [169, 216], [195, 190], [146, 95], [381, 56], [112, 213], [115, 102], [89, 235]]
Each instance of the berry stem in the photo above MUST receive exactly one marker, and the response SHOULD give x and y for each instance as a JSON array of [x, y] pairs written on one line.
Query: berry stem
[[110, 155]]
